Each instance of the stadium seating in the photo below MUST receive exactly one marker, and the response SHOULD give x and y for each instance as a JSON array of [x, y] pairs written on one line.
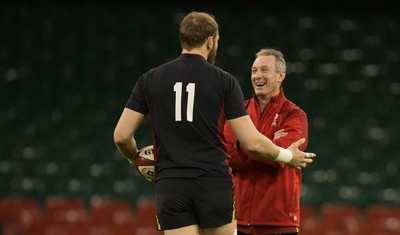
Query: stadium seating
[[64, 211], [308, 220], [67, 69], [339, 219], [383, 219], [145, 214], [71, 216], [111, 212], [19, 215]]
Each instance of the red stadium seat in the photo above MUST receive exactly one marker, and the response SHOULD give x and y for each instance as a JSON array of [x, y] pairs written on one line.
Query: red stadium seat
[[125, 229], [55, 230], [308, 220], [339, 219], [19, 214], [78, 230], [101, 230], [145, 218], [62, 211], [148, 231], [383, 219], [110, 213], [62, 230]]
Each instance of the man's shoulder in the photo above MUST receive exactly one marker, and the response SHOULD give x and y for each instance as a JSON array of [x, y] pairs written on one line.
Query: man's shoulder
[[160, 68], [290, 107]]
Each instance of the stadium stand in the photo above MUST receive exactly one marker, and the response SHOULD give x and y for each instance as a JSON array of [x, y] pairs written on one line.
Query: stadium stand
[[67, 68]]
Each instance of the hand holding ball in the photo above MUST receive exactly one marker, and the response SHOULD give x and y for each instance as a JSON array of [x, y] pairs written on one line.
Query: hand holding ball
[[143, 162]]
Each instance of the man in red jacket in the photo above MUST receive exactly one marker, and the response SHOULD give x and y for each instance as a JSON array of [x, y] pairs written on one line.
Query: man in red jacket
[[267, 193]]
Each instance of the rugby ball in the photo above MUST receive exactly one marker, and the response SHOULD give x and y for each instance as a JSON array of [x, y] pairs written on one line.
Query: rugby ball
[[143, 162]]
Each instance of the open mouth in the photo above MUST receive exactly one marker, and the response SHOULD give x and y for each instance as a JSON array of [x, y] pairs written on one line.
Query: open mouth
[[260, 84]]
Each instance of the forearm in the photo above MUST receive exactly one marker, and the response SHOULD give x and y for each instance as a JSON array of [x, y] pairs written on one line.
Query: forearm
[[239, 160], [255, 142], [261, 147], [267, 150], [125, 130], [127, 148]]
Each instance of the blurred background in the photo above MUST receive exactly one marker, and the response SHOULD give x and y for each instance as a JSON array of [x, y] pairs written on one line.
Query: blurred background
[[67, 69]]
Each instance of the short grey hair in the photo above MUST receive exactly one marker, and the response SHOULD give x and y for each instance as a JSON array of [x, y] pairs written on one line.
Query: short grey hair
[[280, 63]]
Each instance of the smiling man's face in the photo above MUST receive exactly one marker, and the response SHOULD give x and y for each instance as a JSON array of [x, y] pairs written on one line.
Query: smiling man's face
[[264, 77]]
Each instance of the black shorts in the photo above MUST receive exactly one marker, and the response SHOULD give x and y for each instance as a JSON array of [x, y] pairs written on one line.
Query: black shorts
[[184, 202]]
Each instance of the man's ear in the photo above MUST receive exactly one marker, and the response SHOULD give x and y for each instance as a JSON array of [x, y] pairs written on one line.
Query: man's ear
[[210, 42], [282, 76]]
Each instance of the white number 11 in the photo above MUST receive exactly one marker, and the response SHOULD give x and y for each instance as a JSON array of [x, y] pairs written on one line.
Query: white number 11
[[178, 101]]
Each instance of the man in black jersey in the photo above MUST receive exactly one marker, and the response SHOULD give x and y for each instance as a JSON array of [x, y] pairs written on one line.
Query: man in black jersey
[[188, 100]]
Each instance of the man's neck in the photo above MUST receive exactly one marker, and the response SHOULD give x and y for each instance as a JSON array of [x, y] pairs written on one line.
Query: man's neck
[[197, 51], [263, 100]]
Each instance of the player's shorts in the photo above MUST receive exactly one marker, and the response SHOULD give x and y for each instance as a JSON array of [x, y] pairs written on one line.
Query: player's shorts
[[184, 202]]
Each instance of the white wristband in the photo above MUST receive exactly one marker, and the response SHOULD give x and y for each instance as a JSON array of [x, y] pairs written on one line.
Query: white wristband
[[285, 155]]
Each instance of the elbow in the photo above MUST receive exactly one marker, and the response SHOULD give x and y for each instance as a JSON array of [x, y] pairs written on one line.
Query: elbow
[[120, 138], [259, 148], [250, 146]]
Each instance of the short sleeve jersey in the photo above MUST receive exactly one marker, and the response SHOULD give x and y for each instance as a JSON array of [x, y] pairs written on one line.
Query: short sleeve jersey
[[188, 101]]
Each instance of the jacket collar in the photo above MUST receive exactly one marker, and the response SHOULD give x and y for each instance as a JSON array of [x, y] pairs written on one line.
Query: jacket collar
[[277, 98]]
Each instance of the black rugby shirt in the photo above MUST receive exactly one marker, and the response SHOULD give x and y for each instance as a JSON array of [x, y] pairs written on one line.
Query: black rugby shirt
[[188, 101]]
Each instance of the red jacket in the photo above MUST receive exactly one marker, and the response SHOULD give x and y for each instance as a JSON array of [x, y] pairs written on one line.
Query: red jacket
[[267, 193]]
